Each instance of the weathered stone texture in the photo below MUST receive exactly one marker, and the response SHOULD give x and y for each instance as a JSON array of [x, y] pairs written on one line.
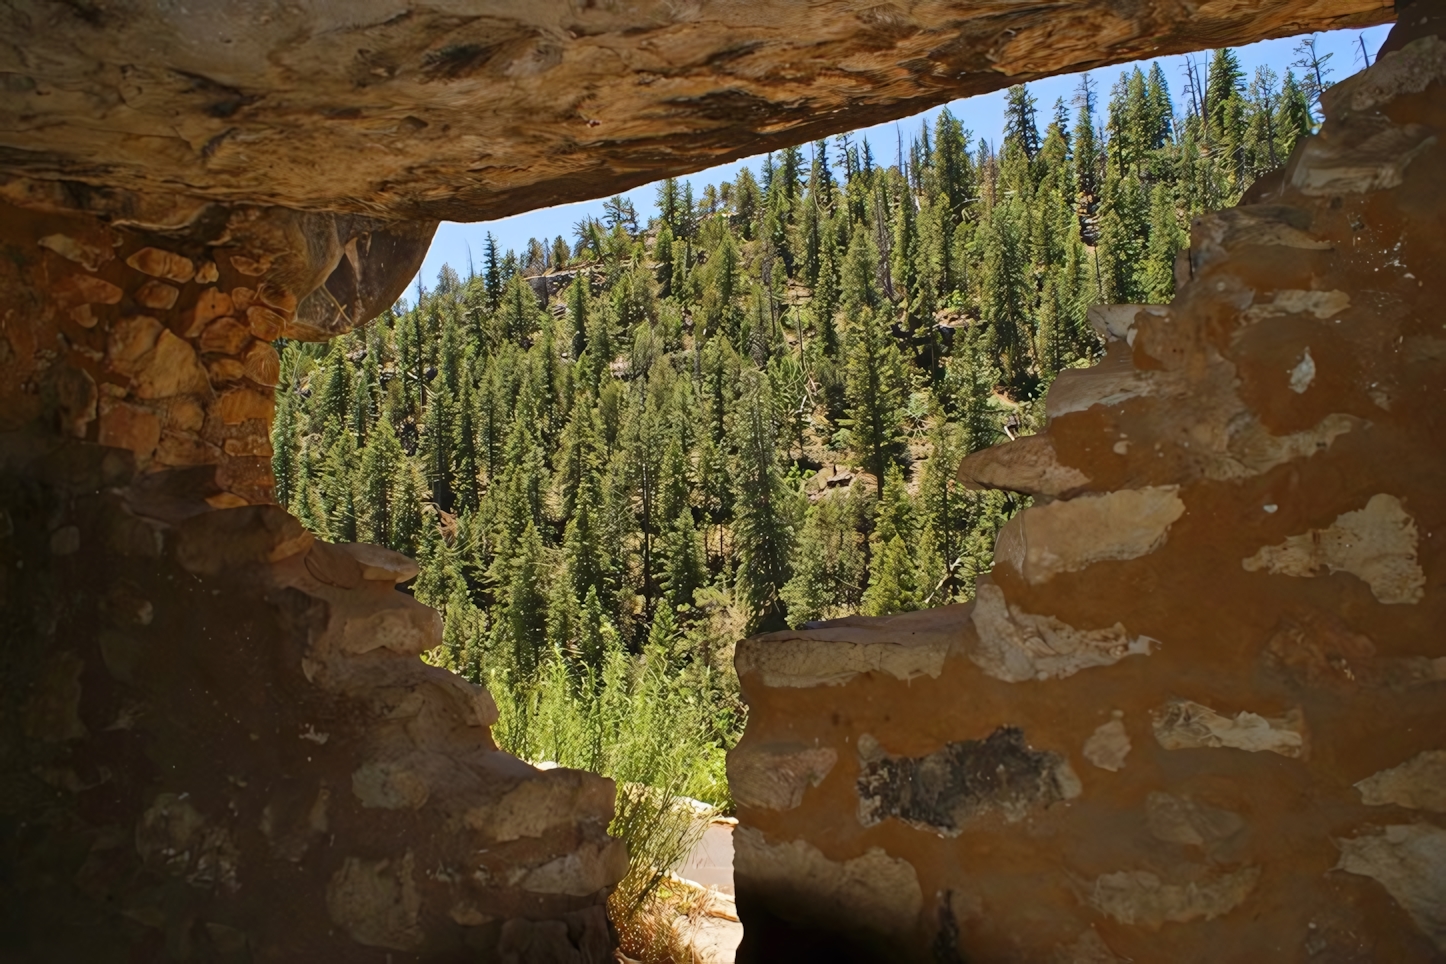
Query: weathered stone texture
[[221, 746], [1212, 642], [218, 741], [475, 112], [1196, 712]]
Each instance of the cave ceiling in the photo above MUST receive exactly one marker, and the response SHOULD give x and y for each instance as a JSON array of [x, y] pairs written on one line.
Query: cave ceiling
[[473, 111]]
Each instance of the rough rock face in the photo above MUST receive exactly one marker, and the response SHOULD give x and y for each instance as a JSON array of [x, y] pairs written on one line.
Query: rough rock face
[[1199, 709], [219, 745], [1196, 713], [217, 742], [474, 111]]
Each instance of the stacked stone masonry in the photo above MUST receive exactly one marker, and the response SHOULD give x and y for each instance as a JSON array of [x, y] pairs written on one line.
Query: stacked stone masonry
[[219, 741], [1194, 714], [1198, 710]]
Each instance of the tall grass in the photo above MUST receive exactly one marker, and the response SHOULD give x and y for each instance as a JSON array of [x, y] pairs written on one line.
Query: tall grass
[[641, 722], [636, 721]]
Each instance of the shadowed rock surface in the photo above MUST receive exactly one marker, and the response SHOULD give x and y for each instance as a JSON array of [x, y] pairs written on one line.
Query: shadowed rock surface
[[1196, 712], [476, 111], [1221, 723], [219, 743]]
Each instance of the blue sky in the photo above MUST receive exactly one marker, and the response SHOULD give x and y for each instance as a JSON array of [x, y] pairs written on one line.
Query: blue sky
[[984, 115]]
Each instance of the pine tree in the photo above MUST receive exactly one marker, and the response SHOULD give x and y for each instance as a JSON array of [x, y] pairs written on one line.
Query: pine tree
[[969, 390], [380, 462], [904, 269], [339, 490], [669, 202], [1020, 127], [1160, 109], [1226, 110], [875, 383], [1086, 145], [825, 303], [762, 530], [527, 603], [954, 168], [892, 586], [439, 446], [1156, 276], [407, 512], [942, 510], [307, 505], [1315, 72], [663, 632], [663, 253], [518, 310], [582, 539], [464, 441], [592, 631], [336, 392], [747, 203], [1008, 289], [720, 302], [285, 454], [860, 289], [491, 273], [1293, 119], [684, 569], [828, 563], [1123, 234]]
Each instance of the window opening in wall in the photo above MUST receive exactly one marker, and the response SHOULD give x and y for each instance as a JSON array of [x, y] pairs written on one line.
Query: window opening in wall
[[737, 402]]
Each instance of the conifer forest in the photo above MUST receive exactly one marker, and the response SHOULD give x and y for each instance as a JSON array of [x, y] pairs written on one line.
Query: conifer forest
[[614, 454]]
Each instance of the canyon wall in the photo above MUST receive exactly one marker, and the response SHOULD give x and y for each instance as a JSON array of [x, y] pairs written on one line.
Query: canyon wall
[[1198, 710]]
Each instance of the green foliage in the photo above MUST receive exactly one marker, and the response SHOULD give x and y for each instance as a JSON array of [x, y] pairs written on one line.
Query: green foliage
[[629, 719], [875, 387], [750, 412]]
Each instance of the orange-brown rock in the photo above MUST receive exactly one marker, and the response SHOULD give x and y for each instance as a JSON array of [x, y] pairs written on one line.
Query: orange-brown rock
[[1194, 715], [240, 404], [212, 304], [81, 289], [162, 264], [130, 427], [227, 754], [225, 336], [469, 114], [265, 323], [157, 295], [1198, 710], [263, 365]]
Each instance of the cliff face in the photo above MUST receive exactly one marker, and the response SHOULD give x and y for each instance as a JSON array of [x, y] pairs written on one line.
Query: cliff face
[[1197, 709], [469, 112]]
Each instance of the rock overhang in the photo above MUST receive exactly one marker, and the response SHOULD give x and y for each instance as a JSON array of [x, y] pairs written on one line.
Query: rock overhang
[[407, 111]]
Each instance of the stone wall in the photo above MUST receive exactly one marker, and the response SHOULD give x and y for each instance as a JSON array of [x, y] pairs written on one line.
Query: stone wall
[[1194, 711], [217, 742], [1198, 710]]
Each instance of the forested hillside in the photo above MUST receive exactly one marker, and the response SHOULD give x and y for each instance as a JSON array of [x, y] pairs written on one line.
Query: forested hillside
[[615, 454]]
